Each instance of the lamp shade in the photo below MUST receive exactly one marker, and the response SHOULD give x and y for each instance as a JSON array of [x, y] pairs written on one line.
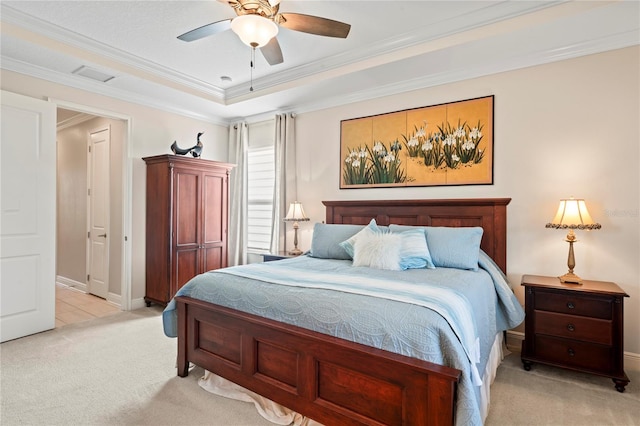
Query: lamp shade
[[296, 213], [254, 30], [573, 214]]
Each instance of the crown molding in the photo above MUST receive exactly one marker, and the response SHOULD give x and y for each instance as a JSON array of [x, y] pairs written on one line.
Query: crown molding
[[74, 121], [103, 89]]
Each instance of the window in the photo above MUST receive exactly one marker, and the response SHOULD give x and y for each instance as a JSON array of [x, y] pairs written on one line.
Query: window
[[261, 174]]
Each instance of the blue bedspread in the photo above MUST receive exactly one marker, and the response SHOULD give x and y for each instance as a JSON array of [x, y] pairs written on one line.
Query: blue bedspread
[[395, 324]]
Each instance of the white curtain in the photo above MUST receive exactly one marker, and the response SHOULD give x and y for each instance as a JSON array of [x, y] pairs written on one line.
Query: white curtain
[[237, 236], [285, 188]]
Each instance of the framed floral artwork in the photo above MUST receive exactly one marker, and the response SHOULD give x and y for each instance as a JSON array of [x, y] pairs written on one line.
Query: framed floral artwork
[[447, 144]]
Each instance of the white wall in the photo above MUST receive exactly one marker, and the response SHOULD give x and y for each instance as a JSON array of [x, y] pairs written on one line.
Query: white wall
[[71, 232], [152, 132], [569, 128]]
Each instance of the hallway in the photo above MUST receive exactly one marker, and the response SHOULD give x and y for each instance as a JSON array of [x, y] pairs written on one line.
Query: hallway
[[74, 306]]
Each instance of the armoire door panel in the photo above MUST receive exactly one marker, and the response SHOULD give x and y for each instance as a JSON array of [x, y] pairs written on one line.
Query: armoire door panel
[[186, 208], [186, 266], [213, 258], [214, 209]]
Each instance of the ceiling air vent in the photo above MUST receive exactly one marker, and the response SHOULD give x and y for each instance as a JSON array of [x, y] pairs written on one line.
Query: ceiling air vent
[[93, 74]]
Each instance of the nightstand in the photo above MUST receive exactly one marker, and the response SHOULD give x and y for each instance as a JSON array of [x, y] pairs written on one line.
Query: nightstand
[[578, 327], [270, 257]]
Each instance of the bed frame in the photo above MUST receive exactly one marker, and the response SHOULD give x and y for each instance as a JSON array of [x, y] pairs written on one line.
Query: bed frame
[[328, 379]]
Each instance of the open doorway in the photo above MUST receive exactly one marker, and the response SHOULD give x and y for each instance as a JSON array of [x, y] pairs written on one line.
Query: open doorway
[[91, 218]]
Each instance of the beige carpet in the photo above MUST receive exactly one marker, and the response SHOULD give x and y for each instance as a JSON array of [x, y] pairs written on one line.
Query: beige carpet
[[120, 370]]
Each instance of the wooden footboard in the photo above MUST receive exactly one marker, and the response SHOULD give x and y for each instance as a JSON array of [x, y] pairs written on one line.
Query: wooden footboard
[[330, 380]]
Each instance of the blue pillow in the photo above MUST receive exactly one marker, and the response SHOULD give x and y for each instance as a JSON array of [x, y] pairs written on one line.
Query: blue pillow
[[414, 252], [349, 244], [325, 243], [451, 247]]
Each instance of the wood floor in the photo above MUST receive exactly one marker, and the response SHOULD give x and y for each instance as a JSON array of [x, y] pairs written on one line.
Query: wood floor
[[74, 306]]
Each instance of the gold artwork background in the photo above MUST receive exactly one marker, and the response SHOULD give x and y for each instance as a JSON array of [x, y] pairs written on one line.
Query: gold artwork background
[[448, 144]]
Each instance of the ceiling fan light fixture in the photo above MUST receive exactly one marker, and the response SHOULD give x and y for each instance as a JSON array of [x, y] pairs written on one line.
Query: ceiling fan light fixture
[[254, 30]]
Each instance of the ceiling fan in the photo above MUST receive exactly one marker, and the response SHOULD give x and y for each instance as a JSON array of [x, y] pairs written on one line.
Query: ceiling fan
[[257, 26]]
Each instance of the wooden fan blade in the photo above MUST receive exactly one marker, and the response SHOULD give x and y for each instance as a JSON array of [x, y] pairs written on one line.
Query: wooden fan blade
[[314, 25], [272, 52], [206, 30]]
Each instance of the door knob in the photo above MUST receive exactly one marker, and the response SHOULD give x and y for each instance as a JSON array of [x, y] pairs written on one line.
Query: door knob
[[103, 235]]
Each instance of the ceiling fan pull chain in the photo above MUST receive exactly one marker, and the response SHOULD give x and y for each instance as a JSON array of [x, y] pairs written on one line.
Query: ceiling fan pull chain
[[253, 65]]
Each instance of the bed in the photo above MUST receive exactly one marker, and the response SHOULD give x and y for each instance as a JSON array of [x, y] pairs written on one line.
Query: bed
[[334, 379]]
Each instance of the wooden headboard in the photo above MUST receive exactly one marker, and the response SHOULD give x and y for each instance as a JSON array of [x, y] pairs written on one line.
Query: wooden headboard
[[489, 213]]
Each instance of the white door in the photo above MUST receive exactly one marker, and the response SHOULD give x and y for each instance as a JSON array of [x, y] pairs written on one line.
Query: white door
[[98, 252], [27, 216]]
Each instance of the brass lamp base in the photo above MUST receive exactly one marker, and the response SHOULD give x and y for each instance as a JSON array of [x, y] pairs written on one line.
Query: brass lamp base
[[570, 278], [295, 252]]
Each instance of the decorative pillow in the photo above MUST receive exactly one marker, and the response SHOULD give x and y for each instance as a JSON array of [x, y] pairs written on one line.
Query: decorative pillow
[[377, 250], [325, 243], [451, 247], [348, 245], [414, 252]]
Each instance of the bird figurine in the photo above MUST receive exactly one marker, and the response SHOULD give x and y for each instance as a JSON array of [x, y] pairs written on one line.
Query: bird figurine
[[177, 150], [195, 150]]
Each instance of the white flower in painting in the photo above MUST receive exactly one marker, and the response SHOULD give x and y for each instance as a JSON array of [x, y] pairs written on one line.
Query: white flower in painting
[[421, 133], [475, 133], [454, 157], [459, 133], [363, 153], [413, 142], [468, 145], [427, 146], [348, 159], [377, 147], [389, 158], [449, 140], [356, 163]]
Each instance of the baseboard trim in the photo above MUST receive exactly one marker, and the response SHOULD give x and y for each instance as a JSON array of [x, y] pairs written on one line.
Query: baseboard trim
[[514, 340], [631, 361], [114, 299], [514, 344], [138, 303], [68, 282]]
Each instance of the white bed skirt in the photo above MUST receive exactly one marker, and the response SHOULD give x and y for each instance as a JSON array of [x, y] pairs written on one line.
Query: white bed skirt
[[280, 415]]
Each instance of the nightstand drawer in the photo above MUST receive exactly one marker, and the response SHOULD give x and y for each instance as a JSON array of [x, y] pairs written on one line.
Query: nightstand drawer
[[574, 327], [573, 304], [574, 353]]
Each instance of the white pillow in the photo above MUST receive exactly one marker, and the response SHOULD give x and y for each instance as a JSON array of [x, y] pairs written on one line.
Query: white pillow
[[377, 250], [348, 245]]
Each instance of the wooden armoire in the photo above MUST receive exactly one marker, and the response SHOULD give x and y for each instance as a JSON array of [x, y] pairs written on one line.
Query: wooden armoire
[[187, 216]]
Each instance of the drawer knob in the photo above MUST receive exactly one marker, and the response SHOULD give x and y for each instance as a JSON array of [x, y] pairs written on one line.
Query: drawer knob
[[571, 352], [571, 327], [570, 305]]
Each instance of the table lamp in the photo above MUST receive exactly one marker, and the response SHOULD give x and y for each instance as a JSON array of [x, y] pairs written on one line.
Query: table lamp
[[295, 214], [572, 214]]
